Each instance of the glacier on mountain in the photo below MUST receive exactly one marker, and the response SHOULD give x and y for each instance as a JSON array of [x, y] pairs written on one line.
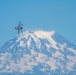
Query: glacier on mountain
[[38, 53]]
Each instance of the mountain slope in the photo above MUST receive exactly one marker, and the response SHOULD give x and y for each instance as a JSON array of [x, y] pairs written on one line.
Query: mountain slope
[[38, 53]]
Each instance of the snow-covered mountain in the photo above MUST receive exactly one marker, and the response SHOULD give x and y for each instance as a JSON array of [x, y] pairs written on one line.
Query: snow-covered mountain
[[38, 53]]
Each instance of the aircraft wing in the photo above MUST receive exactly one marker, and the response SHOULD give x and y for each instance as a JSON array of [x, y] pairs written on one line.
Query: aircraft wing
[[19, 24]]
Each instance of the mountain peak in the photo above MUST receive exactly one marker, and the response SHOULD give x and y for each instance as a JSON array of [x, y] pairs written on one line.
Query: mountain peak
[[38, 33]]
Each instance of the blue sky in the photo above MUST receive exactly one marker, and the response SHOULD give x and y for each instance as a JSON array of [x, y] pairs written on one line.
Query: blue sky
[[58, 15]]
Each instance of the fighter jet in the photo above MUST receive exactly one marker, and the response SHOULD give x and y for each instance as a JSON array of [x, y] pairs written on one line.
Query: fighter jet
[[19, 27]]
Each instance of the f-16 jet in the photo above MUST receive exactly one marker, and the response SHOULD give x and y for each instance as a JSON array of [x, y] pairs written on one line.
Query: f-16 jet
[[19, 27]]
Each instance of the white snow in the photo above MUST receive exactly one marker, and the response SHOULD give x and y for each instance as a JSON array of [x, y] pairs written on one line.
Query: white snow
[[46, 35], [36, 40], [22, 43], [43, 69], [52, 63], [58, 54], [41, 57], [49, 61], [72, 50], [33, 52], [62, 46], [23, 35], [72, 61], [29, 43]]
